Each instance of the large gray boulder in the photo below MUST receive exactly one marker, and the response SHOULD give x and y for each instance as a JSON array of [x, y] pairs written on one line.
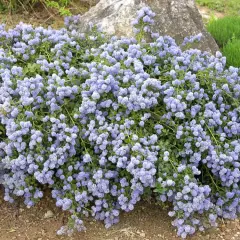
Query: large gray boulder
[[176, 18]]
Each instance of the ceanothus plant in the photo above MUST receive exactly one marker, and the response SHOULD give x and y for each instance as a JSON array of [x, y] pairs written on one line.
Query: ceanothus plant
[[104, 121]]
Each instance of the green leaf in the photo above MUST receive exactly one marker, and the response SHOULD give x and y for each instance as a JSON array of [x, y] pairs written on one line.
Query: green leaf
[[159, 189]]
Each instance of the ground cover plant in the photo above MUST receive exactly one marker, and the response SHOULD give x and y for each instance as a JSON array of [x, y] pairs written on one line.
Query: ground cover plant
[[106, 121]]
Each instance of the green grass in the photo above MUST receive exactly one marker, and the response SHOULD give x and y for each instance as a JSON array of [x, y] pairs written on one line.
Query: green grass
[[229, 7], [224, 29], [232, 52], [226, 32]]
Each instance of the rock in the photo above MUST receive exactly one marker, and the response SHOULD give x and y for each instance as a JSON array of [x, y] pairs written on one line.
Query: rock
[[176, 18], [48, 214]]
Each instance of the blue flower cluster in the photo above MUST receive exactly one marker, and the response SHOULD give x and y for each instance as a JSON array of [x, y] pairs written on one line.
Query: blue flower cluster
[[103, 122]]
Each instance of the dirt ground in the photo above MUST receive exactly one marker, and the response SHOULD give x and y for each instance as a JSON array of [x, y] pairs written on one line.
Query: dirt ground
[[42, 16], [207, 13], [146, 222]]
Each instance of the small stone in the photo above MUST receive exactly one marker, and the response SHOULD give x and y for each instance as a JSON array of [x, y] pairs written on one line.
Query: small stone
[[43, 233], [48, 214], [142, 234]]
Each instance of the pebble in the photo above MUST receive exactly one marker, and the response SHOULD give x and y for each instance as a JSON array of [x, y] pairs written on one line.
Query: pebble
[[43, 232], [142, 234], [48, 214]]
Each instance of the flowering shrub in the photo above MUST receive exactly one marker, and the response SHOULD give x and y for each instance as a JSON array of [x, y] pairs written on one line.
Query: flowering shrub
[[104, 122]]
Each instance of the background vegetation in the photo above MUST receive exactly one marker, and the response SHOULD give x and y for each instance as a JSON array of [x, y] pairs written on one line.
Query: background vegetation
[[224, 29], [232, 52], [230, 7], [62, 6], [226, 32]]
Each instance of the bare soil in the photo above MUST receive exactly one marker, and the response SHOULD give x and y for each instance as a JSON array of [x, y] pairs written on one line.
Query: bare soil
[[208, 13], [148, 221], [41, 16]]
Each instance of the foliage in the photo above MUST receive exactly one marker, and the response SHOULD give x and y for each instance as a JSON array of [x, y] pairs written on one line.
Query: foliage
[[217, 5], [2, 132], [230, 7], [104, 121], [232, 52], [226, 32], [224, 29], [15, 5]]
